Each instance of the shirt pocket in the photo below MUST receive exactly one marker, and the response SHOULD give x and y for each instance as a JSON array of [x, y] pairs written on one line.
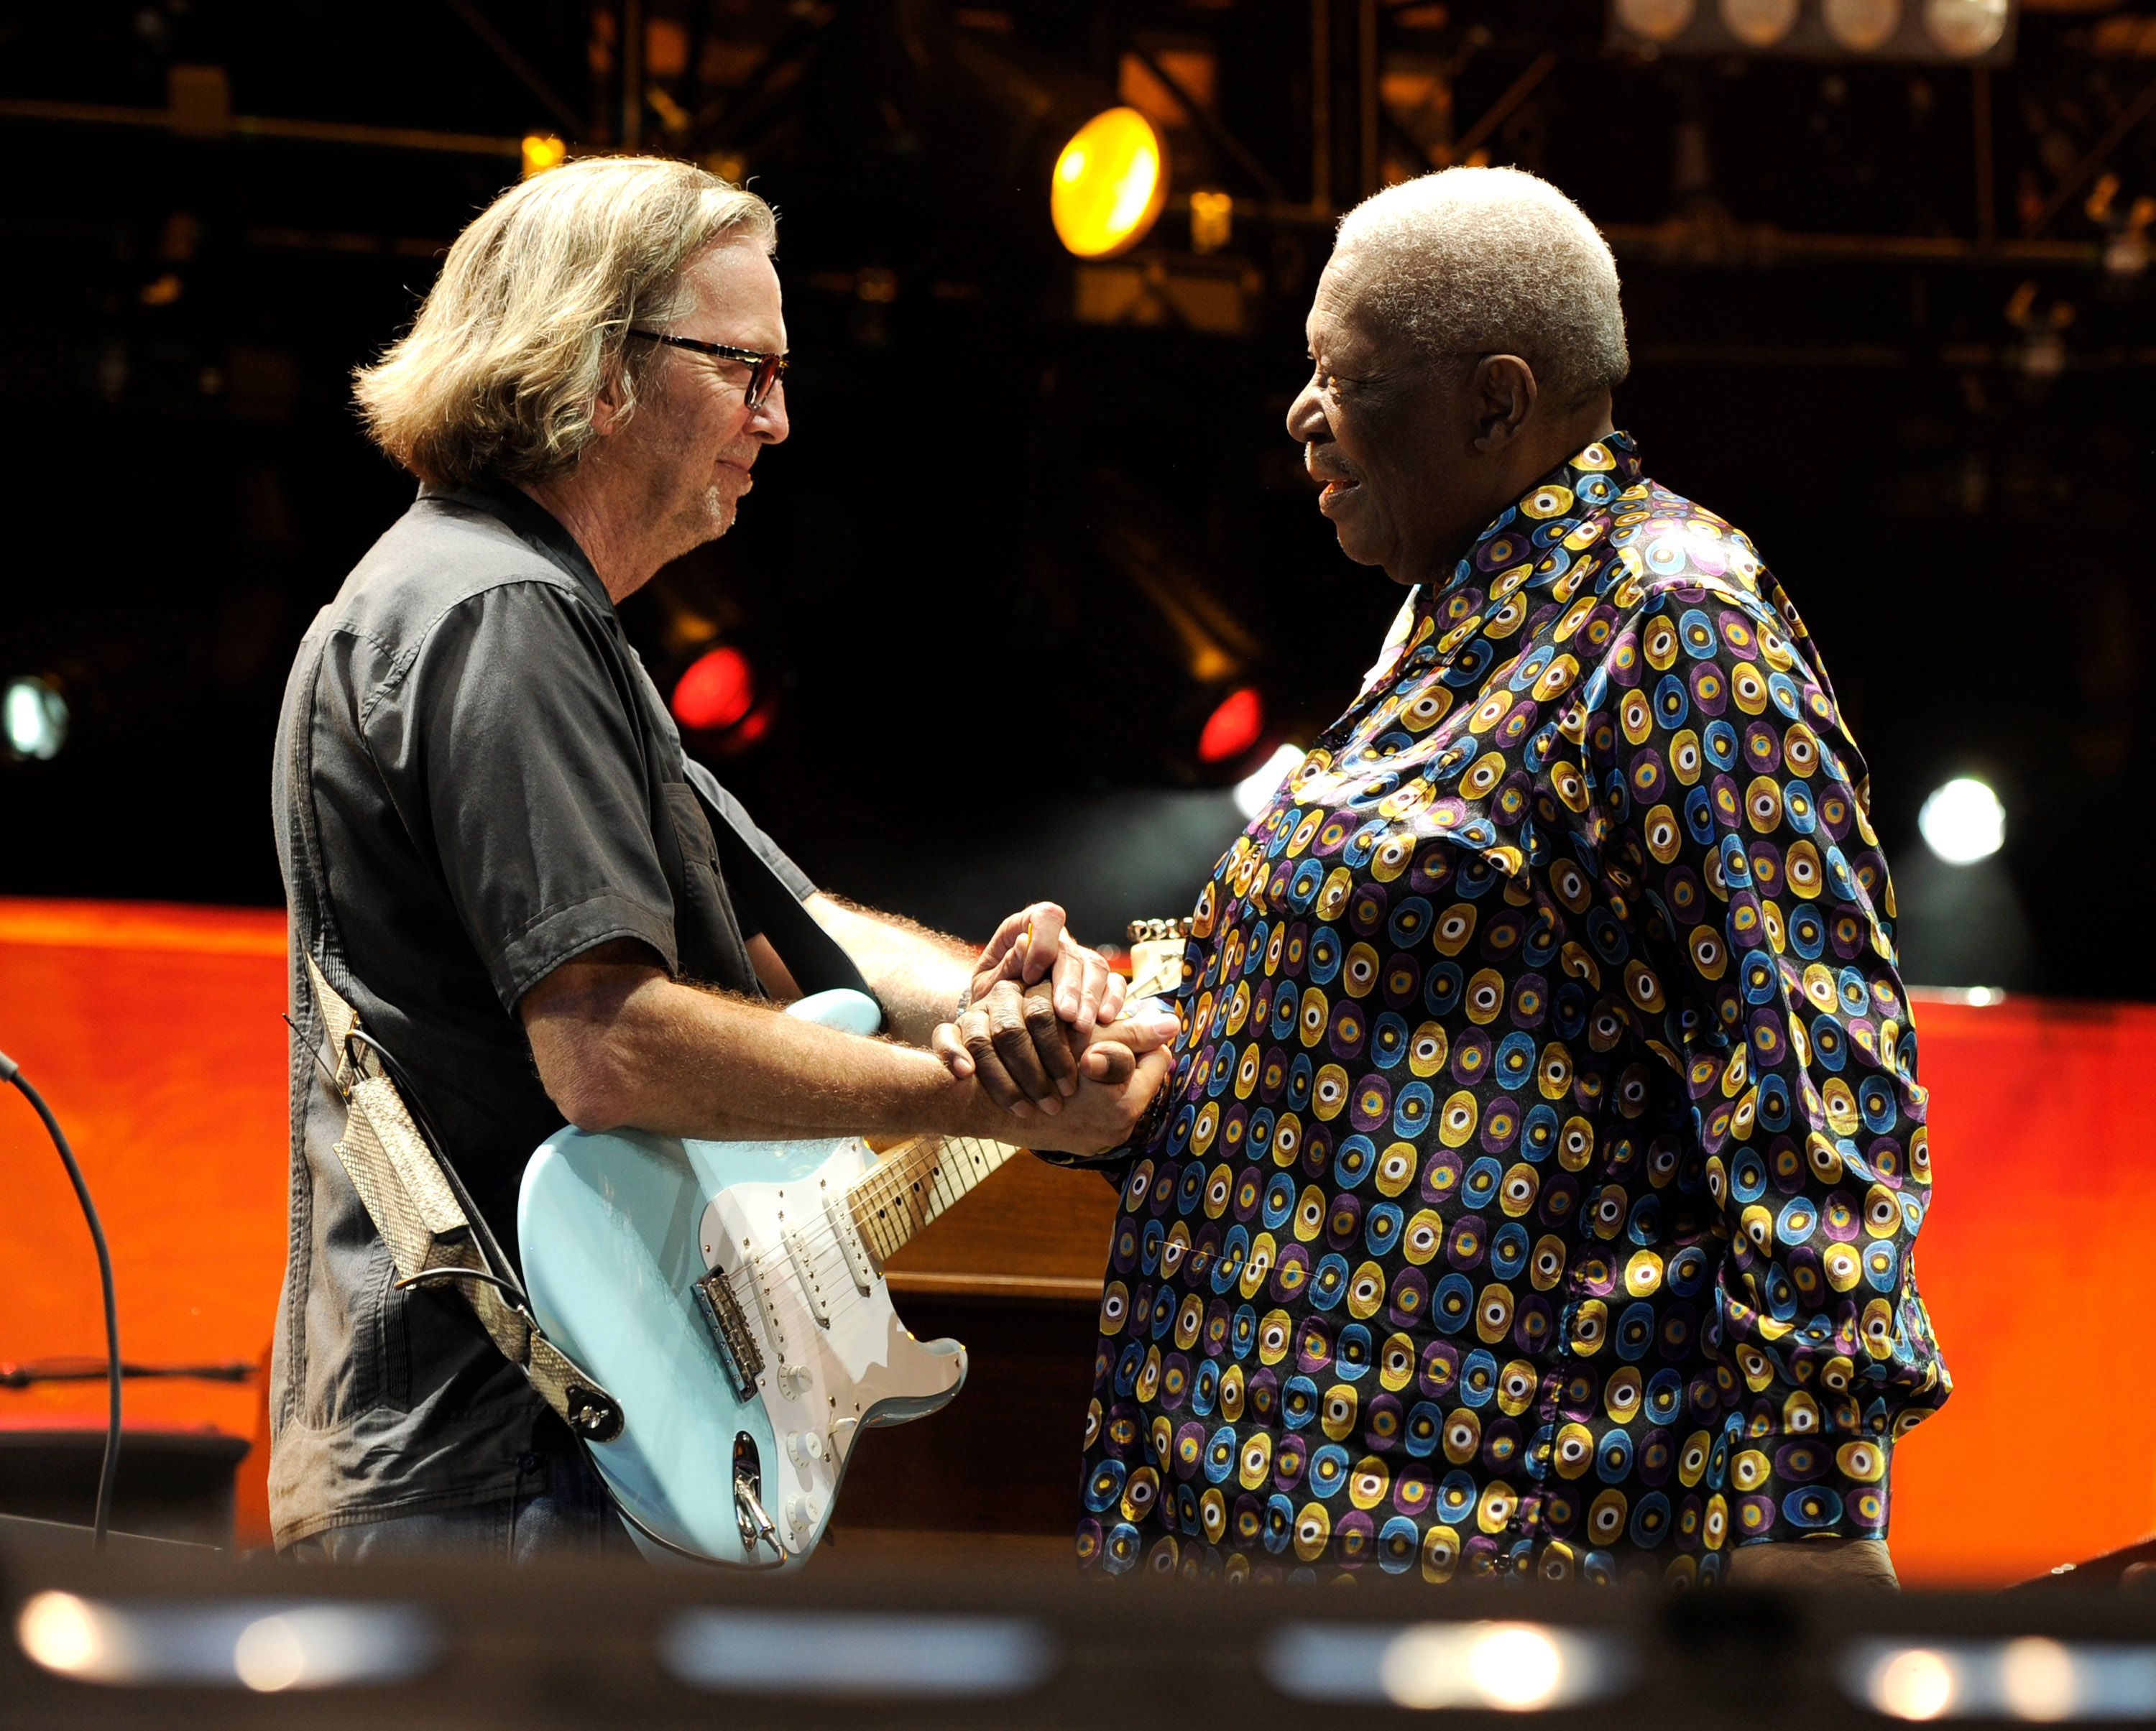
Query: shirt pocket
[[355, 1357]]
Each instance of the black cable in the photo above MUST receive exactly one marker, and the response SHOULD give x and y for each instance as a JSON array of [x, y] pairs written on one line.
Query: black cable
[[427, 1276], [88, 1369], [109, 1476]]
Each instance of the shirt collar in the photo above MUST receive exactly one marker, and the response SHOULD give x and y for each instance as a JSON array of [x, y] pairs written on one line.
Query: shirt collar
[[532, 524], [1586, 481]]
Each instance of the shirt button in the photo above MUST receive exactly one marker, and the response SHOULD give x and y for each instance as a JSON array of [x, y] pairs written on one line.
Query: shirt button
[[528, 1463]]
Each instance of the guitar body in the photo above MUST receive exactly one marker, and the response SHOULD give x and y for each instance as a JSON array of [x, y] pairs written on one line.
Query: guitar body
[[764, 1379]]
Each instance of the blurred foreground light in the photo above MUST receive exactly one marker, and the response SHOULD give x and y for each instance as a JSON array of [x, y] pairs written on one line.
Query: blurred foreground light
[[1759, 23], [1861, 25], [796, 1653], [542, 151], [1966, 28], [1234, 728], [1915, 1683], [1255, 790], [34, 719], [1657, 20], [1962, 822], [716, 691], [2034, 1680], [1515, 1668], [1110, 181], [268, 1646]]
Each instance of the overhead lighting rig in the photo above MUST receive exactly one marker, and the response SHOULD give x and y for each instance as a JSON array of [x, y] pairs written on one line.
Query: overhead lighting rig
[[1971, 33]]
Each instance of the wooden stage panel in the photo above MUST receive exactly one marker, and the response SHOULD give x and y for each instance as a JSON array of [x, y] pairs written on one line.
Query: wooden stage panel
[[155, 1033]]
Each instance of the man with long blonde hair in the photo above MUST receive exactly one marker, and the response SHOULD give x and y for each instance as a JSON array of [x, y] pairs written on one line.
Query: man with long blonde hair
[[497, 852]]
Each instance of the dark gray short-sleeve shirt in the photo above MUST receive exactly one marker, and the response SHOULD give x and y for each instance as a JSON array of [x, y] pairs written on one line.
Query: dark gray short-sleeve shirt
[[475, 781]]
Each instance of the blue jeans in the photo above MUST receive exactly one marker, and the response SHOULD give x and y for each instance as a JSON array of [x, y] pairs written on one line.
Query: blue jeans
[[562, 1508]]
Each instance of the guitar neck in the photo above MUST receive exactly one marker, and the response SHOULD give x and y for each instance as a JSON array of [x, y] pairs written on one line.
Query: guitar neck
[[915, 1182]]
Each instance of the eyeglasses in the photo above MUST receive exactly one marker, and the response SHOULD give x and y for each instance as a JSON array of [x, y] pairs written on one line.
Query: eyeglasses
[[765, 371]]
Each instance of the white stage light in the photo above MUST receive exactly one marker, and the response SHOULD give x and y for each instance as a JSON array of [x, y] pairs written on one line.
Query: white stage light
[[1962, 822], [1657, 20], [1759, 23], [34, 719], [1966, 28], [1262, 784], [1861, 25]]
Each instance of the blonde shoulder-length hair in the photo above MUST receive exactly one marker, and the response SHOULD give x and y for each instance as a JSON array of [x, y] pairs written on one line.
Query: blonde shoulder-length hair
[[501, 371]]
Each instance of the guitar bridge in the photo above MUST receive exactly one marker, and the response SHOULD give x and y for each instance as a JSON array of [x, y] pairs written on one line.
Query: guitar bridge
[[729, 1331]]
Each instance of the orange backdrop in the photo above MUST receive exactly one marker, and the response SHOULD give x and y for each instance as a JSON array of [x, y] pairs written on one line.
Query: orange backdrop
[[154, 1033]]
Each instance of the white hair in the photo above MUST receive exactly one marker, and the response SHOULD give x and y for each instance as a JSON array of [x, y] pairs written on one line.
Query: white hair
[[1475, 261]]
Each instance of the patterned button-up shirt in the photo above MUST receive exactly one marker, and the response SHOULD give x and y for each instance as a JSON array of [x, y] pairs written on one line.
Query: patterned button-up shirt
[[1545, 1152]]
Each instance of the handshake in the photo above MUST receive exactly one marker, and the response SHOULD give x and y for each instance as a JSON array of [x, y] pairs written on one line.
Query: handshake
[[1045, 1036]]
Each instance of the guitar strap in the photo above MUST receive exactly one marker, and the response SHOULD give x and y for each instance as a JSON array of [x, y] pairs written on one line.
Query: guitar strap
[[811, 954], [435, 1235]]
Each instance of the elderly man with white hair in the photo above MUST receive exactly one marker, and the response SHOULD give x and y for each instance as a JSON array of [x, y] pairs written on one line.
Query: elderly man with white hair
[[496, 852], [1535, 1189]]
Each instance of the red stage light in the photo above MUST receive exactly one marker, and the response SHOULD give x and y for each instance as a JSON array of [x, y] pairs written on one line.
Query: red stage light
[[1234, 728], [716, 691]]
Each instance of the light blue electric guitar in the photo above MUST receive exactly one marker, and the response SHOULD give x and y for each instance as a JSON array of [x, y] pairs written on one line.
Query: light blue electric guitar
[[730, 1297]]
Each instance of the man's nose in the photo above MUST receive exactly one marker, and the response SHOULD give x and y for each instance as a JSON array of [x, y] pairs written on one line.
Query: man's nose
[[1306, 416], [770, 424]]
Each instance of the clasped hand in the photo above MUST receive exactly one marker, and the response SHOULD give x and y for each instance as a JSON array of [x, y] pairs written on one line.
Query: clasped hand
[[1045, 1034]]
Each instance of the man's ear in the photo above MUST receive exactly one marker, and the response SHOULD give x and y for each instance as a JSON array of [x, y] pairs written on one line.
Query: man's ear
[[607, 406], [1501, 396]]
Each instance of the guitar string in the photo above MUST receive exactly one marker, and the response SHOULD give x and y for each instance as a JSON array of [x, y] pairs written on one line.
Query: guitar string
[[978, 1153], [886, 1183], [903, 1169], [903, 1177]]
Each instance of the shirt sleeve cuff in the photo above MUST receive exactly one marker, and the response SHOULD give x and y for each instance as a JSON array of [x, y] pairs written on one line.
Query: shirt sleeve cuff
[[1810, 1485], [556, 936]]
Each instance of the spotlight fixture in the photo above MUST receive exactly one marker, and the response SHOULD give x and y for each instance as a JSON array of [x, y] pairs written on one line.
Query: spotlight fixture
[[542, 151], [716, 691], [1759, 23], [1966, 28], [1657, 20], [1962, 822], [34, 719], [1861, 25], [1110, 181], [1233, 727]]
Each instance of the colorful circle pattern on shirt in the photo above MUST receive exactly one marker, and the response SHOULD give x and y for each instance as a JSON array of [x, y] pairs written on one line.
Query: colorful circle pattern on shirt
[[1545, 1150]]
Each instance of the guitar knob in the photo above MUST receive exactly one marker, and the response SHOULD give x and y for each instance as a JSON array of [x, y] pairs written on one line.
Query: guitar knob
[[805, 1447]]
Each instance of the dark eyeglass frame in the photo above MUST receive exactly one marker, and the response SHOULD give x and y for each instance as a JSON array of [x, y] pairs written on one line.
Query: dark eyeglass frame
[[765, 369]]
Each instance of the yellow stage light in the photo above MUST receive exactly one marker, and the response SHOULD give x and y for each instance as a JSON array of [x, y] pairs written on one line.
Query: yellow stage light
[[542, 151], [1110, 181]]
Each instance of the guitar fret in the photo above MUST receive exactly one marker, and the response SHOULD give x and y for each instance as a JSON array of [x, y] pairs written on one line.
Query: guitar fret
[[912, 1183]]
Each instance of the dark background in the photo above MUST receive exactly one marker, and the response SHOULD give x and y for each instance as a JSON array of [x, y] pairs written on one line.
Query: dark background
[[950, 582]]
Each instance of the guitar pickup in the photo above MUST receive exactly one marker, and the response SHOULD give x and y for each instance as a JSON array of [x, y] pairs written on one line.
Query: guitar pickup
[[841, 1216], [804, 1266], [729, 1331]]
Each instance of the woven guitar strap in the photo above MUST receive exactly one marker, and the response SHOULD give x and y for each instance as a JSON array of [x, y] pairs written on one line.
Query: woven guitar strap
[[422, 1213]]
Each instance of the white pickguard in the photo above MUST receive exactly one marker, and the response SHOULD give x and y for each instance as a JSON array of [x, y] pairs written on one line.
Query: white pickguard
[[820, 1384]]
